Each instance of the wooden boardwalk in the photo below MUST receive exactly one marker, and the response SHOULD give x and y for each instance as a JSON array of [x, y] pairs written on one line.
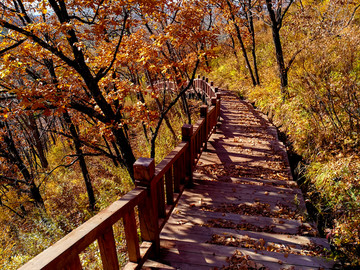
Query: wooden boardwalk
[[244, 208]]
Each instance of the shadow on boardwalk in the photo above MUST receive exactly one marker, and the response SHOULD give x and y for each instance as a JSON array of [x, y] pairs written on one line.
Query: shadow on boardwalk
[[244, 207]]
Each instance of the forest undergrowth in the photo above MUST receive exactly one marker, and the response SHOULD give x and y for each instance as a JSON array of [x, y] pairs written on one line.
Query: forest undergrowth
[[66, 201]]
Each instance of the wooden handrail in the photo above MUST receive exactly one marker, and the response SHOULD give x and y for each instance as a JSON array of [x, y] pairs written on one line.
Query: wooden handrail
[[157, 191]]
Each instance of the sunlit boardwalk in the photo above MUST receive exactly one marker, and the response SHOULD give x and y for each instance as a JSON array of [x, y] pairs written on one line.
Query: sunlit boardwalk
[[244, 209]]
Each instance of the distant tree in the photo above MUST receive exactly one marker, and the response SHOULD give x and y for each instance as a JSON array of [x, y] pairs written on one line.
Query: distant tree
[[276, 13], [15, 171], [239, 17]]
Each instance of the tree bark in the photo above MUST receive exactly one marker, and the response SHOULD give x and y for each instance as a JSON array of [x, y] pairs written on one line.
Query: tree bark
[[242, 45], [82, 162], [14, 157], [280, 60], [276, 23], [39, 144], [253, 43]]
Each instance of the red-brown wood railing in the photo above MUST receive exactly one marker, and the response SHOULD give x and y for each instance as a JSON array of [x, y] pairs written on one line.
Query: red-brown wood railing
[[157, 191]]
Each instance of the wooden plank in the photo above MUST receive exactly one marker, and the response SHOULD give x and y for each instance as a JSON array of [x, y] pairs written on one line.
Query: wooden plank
[[264, 191], [132, 238], [169, 187], [212, 255], [243, 184], [255, 181], [169, 160], [161, 198], [145, 251], [177, 176], [74, 264], [201, 234], [108, 252], [218, 198], [269, 265], [150, 264], [183, 215], [182, 168], [148, 218]]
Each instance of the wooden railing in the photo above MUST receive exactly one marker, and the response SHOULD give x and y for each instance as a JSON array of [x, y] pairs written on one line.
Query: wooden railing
[[158, 188], [200, 86]]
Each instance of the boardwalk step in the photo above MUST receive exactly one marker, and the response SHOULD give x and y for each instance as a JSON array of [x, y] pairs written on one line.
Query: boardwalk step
[[244, 184], [185, 255], [242, 195], [244, 180], [150, 264], [201, 234], [185, 215]]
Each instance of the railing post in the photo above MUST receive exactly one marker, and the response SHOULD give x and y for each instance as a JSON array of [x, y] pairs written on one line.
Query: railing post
[[187, 134], [213, 101], [215, 104], [144, 171], [203, 114], [218, 97]]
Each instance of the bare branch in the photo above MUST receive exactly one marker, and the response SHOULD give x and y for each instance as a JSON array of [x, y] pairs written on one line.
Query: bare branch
[[102, 72], [352, 15], [57, 167], [39, 41], [3, 51]]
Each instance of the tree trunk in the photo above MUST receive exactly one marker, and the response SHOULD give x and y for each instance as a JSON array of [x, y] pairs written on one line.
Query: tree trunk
[[15, 158], [167, 121], [110, 151], [39, 144], [275, 27], [82, 163], [242, 45], [280, 60], [253, 44], [125, 149], [186, 108]]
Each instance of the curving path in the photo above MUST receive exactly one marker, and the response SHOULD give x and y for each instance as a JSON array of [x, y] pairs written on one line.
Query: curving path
[[244, 209]]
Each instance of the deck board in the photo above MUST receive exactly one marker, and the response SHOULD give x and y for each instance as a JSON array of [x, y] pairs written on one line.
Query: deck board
[[244, 163]]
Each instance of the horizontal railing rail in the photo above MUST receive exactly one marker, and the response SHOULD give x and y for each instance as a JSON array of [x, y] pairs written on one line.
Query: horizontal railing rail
[[146, 208]]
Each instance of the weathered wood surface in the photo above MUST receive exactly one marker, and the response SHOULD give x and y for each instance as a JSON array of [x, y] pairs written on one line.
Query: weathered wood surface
[[245, 164]]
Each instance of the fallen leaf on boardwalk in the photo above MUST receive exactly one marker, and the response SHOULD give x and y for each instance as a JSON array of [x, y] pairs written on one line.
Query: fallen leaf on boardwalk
[[240, 261], [223, 223], [310, 249], [182, 222], [255, 209], [307, 229]]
